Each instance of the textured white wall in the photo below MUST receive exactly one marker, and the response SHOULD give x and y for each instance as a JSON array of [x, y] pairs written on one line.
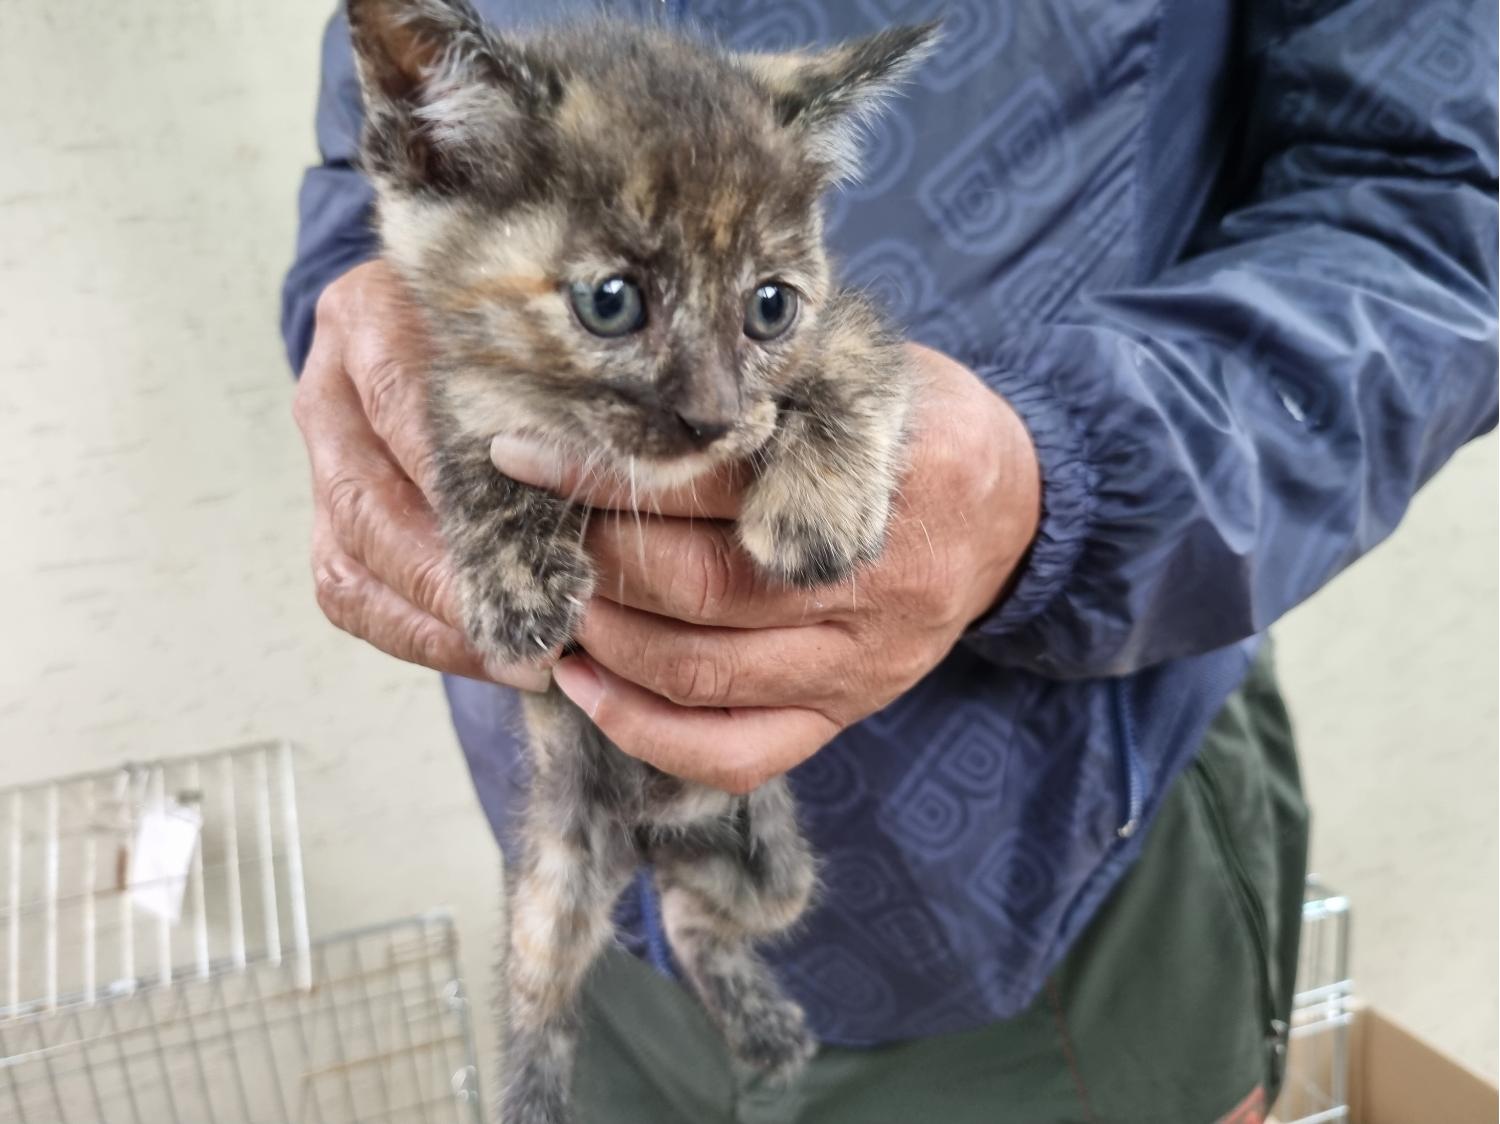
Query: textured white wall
[[153, 507], [152, 500], [1391, 675]]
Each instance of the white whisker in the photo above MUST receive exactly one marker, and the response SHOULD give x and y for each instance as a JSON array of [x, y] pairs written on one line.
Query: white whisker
[[928, 537], [635, 511], [693, 491]]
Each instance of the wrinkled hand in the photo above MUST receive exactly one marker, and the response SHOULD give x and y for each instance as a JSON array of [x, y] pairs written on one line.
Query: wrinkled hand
[[381, 568], [701, 667]]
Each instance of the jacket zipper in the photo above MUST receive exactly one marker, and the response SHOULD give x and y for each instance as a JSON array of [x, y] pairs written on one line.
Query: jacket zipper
[[1130, 761], [1253, 911], [1131, 769]]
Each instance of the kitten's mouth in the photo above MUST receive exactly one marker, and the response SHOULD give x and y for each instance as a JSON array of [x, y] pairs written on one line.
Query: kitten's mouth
[[654, 452]]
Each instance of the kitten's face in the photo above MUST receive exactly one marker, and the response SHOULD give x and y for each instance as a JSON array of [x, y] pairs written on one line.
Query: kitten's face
[[649, 299], [615, 232]]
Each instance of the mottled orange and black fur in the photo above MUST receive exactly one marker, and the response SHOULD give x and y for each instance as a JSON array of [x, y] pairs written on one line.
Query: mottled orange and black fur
[[509, 173]]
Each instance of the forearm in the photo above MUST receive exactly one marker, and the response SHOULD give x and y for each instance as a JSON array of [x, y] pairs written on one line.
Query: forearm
[[1219, 442]]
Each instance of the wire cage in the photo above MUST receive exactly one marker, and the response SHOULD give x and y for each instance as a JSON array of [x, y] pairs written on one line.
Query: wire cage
[[158, 966], [1316, 1089], [378, 1032], [148, 873]]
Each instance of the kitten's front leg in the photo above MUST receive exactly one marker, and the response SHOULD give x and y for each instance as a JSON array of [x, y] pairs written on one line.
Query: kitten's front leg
[[523, 574], [820, 503]]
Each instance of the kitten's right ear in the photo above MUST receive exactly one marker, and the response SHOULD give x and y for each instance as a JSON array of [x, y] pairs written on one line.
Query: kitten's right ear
[[443, 93], [826, 96]]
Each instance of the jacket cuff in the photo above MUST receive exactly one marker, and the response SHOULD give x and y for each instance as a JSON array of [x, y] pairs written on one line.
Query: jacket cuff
[[1068, 504]]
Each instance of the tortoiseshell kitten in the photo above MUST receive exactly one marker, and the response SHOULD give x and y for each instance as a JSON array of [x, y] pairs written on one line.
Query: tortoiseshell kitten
[[614, 233]]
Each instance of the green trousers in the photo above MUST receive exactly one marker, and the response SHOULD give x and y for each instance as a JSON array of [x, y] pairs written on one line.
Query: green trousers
[[1166, 1011]]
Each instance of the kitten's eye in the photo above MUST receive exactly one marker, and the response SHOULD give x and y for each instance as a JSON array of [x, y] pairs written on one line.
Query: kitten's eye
[[612, 308], [770, 311]]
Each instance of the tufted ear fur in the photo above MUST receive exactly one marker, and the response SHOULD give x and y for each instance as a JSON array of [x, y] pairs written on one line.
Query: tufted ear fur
[[444, 95], [829, 95]]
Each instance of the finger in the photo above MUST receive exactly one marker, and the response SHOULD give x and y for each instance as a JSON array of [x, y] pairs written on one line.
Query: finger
[[695, 571], [694, 666], [394, 395], [715, 494], [387, 526], [354, 600], [383, 346], [733, 750], [378, 517], [332, 417]]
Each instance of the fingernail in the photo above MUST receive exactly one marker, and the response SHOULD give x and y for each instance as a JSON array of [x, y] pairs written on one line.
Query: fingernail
[[527, 461], [580, 682], [536, 679]]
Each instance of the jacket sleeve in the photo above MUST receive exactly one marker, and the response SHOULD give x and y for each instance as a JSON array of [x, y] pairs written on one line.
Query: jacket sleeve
[[336, 204], [1220, 441]]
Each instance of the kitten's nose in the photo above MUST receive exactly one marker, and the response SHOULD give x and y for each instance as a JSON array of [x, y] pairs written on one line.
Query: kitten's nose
[[703, 431]]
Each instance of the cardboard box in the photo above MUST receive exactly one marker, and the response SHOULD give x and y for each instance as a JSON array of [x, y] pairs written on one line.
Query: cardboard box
[[1394, 1077]]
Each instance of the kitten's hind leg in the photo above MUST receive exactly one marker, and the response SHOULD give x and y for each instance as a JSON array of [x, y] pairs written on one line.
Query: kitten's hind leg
[[575, 860], [752, 880]]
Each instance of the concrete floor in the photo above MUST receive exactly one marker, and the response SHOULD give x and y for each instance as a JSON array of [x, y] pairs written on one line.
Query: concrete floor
[[153, 492]]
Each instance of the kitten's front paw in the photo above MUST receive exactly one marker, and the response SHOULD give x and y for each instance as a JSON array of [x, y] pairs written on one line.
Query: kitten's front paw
[[805, 550], [521, 619]]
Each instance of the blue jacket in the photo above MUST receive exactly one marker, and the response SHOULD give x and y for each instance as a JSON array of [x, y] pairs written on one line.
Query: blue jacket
[[1234, 263]]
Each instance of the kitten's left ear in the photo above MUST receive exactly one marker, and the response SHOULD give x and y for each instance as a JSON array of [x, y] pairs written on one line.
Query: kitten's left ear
[[827, 95], [442, 91]]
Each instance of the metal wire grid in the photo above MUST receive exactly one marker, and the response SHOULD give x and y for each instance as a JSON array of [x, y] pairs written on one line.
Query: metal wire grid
[[1317, 1077], [75, 932], [380, 1035]]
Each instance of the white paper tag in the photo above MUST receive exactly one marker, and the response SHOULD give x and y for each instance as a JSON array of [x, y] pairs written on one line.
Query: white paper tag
[[161, 857]]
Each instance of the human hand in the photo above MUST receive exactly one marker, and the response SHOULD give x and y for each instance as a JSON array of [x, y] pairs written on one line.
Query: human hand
[[381, 568], [705, 669]]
